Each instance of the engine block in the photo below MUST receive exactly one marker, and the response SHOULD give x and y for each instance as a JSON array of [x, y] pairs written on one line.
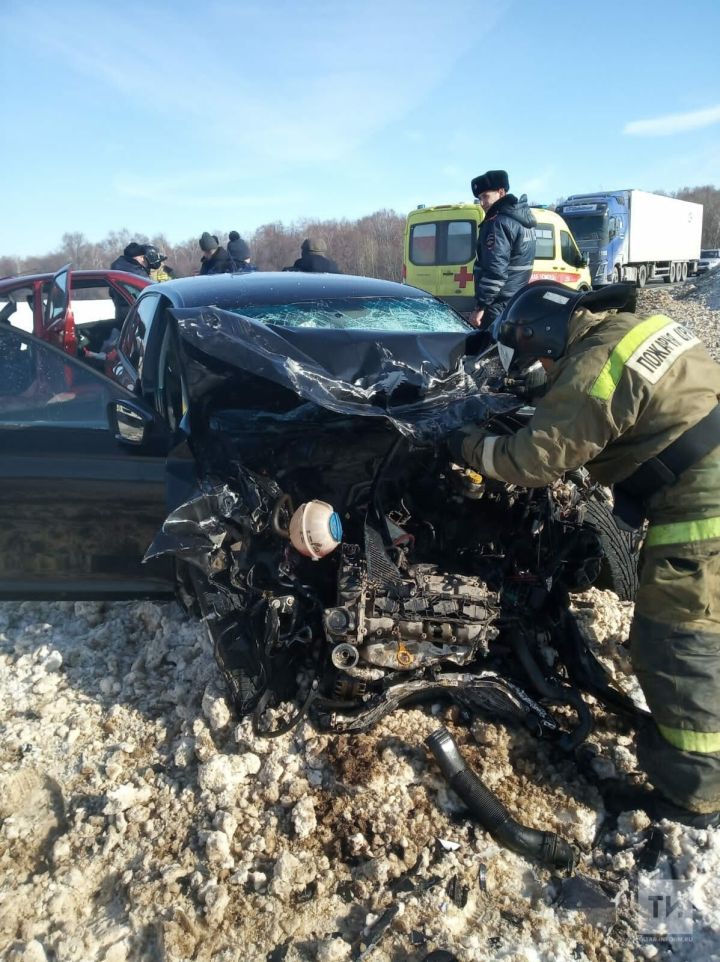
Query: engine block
[[428, 616]]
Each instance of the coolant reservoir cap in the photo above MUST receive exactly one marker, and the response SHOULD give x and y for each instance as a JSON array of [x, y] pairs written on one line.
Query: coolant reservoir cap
[[315, 529]]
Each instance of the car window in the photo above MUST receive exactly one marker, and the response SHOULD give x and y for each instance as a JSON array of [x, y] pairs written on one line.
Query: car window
[[59, 293], [16, 307], [40, 386], [422, 243], [133, 337], [130, 292], [442, 242], [568, 249], [544, 242], [172, 399], [91, 301], [411, 314], [460, 241]]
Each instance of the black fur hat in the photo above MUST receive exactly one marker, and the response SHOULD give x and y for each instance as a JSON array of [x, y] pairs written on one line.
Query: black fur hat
[[490, 180]]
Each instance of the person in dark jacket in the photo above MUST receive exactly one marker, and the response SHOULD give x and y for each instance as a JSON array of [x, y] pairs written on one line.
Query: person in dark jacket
[[239, 254], [134, 261], [505, 247], [215, 258], [313, 258]]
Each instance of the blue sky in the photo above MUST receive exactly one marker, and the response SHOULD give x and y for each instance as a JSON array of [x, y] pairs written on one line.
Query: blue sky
[[190, 116]]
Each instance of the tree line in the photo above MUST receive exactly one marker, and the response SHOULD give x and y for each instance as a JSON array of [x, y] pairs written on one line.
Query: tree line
[[371, 246]]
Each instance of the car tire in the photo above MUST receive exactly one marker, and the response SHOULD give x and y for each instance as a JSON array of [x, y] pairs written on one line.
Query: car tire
[[615, 276], [641, 276], [619, 571], [684, 271]]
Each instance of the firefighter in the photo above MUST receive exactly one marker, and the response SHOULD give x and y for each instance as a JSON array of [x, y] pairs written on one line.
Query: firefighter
[[156, 264], [636, 401]]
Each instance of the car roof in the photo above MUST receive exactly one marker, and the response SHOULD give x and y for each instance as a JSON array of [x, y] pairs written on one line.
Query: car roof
[[277, 287], [15, 280]]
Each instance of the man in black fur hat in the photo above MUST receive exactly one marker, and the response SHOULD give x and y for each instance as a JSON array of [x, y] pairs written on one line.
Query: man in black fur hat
[[505, 247]]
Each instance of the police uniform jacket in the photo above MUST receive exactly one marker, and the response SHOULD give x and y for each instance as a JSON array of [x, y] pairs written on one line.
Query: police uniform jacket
[[505, 252]]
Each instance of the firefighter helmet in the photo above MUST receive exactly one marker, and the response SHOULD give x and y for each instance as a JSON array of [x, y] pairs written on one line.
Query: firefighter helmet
[[535, 321], [153, 257]]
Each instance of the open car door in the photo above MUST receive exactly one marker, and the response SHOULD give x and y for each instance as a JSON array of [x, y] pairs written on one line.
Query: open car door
[[78, 507], [58, 319]]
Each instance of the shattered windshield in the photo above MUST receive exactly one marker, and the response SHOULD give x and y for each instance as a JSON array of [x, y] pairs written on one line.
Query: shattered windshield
[[409, 314]]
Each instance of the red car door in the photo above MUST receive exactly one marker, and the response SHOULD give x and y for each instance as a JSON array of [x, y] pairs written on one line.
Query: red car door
[[58, 320]]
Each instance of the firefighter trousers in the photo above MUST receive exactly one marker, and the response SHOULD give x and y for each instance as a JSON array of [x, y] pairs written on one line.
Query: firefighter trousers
[[675, 649]]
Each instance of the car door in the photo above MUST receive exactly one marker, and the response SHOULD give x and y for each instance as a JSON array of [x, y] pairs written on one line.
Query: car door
[[58, 321], [78, 507]]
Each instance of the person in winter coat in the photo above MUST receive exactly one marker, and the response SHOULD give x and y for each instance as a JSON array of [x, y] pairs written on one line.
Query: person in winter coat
[[132, 260], [215, 258], [239, 254], [313, 258], [505, 246], [636, 401]]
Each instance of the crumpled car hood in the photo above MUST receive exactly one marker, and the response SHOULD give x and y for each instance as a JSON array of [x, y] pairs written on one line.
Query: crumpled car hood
[[424, 383]]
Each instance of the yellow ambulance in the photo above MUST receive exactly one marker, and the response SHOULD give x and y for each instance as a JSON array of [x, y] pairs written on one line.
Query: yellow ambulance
[[440, 246]]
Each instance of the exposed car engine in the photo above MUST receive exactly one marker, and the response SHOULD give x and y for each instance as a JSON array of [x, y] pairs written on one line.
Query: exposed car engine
[[340, 559], [428, 572]]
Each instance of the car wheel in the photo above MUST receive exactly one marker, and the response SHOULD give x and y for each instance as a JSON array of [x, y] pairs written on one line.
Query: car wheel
[[619, 571], [641, 275], [615, 276], [684, 271], [673, 273]]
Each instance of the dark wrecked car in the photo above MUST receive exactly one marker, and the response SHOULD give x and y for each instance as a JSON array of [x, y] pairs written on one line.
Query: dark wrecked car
[[277, 441]]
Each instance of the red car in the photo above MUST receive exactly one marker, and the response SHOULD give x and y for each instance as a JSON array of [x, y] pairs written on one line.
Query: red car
[[98, 302]]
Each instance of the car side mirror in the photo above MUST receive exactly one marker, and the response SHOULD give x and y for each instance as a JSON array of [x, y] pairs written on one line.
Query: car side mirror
[[129, 422], [581, 261]]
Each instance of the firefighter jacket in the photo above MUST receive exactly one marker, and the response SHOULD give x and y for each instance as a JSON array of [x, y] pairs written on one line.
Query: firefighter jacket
[[624, 390], [505, 252], [159, 274]]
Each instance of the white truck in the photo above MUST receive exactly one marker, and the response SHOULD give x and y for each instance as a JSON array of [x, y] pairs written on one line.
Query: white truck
[[633, 235]]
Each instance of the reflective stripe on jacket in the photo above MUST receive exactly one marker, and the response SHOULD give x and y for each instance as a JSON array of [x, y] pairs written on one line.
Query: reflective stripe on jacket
[[625, 389]]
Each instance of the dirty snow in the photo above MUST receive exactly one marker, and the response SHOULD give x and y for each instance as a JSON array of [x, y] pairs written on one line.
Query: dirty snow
[[140, 821]]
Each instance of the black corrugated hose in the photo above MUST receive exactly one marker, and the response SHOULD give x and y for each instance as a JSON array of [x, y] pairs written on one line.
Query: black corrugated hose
[[546, 847]]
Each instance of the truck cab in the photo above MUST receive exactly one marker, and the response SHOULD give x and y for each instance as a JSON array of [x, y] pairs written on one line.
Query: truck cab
[[440, 246], [635, 235], [600, 225]]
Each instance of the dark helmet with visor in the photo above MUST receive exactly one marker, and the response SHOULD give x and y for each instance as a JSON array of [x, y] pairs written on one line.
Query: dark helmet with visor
[[535, 321], [153, 257]]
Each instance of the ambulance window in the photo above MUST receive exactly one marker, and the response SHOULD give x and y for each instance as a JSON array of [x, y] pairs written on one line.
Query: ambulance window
[[568, 249], [460, 242], [544, 242], [422, 243]]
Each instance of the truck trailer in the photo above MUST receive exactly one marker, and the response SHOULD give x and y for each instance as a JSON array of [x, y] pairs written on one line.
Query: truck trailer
[[634, 235]]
